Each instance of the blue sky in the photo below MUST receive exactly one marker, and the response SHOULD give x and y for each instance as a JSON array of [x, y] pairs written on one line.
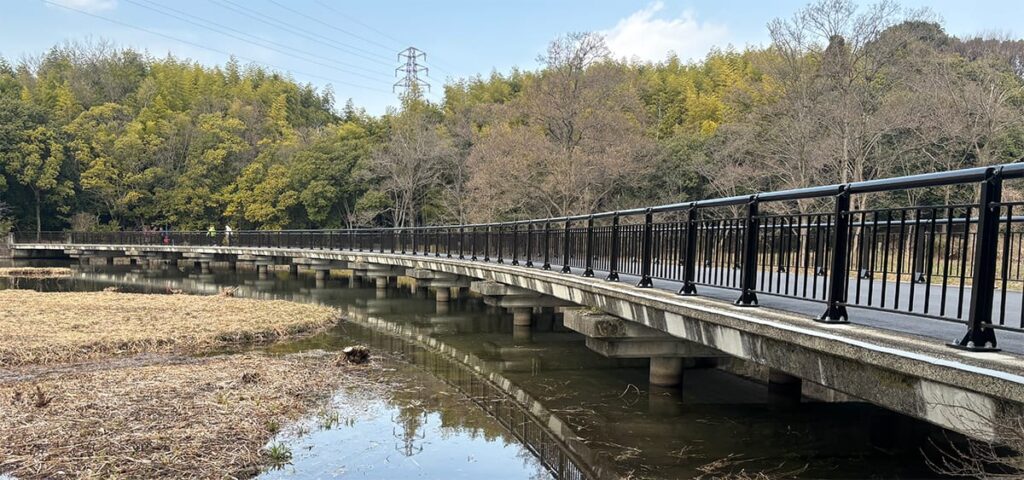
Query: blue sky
[[352, 45]]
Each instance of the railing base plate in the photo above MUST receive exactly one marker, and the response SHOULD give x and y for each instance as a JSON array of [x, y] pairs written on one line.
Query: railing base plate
[[972, 349]]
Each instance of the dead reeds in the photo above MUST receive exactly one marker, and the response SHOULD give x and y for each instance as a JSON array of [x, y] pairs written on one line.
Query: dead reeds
[[200, 418], [35, 272], [42, 328]]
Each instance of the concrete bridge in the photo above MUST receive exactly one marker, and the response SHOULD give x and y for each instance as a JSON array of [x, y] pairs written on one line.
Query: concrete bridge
[[965, 391], [864, 302]]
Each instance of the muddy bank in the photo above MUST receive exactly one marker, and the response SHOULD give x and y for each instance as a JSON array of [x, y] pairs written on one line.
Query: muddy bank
[[192, 418], [44, 328]]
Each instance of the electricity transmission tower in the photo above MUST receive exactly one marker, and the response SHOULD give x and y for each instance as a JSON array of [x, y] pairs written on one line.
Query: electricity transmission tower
[[412, 69]]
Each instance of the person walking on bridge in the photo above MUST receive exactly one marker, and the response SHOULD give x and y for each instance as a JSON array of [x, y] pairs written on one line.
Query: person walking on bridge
[[211, 234], [227, 234]]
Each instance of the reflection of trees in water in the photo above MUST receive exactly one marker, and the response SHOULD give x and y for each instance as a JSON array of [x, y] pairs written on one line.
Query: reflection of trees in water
[[417, 400]]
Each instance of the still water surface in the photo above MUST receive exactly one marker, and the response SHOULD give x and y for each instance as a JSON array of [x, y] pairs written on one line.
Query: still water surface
[[589, 416]]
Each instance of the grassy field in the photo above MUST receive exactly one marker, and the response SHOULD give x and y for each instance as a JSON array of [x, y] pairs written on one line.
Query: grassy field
[[39, 328]]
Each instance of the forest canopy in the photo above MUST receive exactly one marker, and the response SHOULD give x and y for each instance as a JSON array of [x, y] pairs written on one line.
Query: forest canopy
[[98, 137]]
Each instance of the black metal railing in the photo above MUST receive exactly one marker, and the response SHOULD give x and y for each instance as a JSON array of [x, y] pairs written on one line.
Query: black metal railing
[[956, 262]]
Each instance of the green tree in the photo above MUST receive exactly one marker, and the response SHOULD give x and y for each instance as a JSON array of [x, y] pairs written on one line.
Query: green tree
[[36, 163]]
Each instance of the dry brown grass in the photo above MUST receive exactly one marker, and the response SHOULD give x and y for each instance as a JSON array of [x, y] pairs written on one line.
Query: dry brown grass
[[194, 418], [35, 272], [39, 328]]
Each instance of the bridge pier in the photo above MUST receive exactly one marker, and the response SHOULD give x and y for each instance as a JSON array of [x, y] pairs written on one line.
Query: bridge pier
[[522, 303], [666, 371], [614, 337]]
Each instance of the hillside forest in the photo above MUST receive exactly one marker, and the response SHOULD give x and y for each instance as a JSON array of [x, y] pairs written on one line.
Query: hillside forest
[[101, 137]]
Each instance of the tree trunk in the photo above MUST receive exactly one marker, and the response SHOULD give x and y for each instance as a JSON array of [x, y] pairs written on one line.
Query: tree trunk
[[39, 217]]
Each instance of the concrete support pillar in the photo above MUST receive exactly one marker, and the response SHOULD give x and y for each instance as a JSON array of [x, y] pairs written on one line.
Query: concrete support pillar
[[381, 283], [354, 282], [262, 271], [321, 275], [521, 334], [204, 267], [666, 371], [784, 384], [443, 295], [522, 316], [320, 283]]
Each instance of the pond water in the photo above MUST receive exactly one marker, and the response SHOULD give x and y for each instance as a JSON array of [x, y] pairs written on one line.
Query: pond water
[[478, 401]]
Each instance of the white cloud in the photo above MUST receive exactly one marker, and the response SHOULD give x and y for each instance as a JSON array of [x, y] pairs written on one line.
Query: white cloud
[[88, 5], [644, 36]]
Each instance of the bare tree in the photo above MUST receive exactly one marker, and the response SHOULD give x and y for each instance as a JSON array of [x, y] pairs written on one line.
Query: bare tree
[[836, 111], [574, 135], [413, 161]]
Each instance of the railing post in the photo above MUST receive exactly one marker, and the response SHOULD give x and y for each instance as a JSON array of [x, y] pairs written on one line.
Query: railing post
[[487, 243], [588, 266], [501, 242], [648, 251], [380, 238], [515, 244], [748, 274], [462, 243], [980, 336], [565, 247], [529, 244], [838, 277], [613, 262], [472, 244], [690, 253], [448, 242], [415, 243], [547, 246]]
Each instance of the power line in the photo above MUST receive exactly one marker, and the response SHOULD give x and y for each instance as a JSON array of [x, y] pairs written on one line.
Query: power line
[[353, 19], [396, 41], [257, 41], [328, 25], [230, 5], [412, 70], [204, 47]]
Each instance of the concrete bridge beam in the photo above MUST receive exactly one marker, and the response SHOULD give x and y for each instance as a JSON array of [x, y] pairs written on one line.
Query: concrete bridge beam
[[490, 288]]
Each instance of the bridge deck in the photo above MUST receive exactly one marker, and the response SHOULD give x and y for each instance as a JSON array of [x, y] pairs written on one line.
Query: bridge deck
[[942, 330]]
